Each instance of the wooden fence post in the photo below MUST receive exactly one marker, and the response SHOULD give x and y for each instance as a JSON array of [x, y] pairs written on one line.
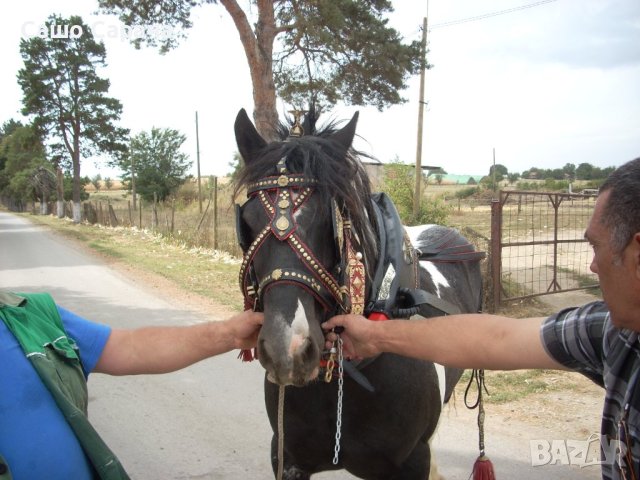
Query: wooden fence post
[[113, 220], [496, 254], [173, 213], [154, 219], [215, 213]]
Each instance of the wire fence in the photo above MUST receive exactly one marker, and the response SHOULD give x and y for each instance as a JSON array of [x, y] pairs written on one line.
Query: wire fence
[[538, 244], [535, 241]]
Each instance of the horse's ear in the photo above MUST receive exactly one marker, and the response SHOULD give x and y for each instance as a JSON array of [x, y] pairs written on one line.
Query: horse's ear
[[345, 135], [249, 141]]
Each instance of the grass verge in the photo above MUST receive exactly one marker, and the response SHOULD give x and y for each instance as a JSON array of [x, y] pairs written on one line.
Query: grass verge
[[208, 273]]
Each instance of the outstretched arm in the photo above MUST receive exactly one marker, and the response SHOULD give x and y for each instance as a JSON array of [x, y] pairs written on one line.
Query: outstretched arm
[[464, 341], [166, 349]]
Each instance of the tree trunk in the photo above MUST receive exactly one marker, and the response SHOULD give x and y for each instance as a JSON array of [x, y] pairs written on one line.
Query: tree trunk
[[75, 156], [258, 48], [60, 192]]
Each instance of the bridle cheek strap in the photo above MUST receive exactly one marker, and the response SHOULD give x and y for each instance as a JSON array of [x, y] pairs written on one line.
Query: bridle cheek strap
[[355, 276]]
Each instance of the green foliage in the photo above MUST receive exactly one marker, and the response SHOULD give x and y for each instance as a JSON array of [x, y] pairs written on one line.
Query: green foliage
[[66, 98], [342, 50], [551, 185], [500, 172], [325, 50], [237, 163], [95, 181], [585, 171], [158, 164], [570, 172], [466, 192], [513, 178], [68, 187], [21, 154], [399, 184], [489, 184], [528, 186]]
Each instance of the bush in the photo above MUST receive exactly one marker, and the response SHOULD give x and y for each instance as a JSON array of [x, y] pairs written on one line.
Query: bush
[[399, 184], [467, 192]]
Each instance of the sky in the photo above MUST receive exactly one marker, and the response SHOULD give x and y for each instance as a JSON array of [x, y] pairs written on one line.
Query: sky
[[540, 83]]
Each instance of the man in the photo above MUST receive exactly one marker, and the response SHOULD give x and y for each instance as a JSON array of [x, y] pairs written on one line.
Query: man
[[46, 354], [600, 340]]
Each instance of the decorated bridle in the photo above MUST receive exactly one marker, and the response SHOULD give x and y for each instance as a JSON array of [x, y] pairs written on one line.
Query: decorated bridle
[[282, 195]]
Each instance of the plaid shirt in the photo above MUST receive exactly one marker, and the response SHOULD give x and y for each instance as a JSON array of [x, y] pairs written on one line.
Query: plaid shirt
[[584, 339]]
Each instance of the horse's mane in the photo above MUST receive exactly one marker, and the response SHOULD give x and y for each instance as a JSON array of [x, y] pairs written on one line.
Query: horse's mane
[[340, 175]]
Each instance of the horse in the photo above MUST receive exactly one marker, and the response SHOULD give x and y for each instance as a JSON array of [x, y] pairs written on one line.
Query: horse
[[317, 242]]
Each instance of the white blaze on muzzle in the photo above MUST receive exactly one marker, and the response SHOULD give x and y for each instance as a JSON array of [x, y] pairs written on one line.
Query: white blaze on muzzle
[[299, 331]]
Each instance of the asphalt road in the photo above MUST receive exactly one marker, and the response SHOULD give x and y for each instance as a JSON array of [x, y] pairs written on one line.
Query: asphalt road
[[207, 421]]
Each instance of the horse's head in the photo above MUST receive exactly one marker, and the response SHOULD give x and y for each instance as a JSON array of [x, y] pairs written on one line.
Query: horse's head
[[291, 232]]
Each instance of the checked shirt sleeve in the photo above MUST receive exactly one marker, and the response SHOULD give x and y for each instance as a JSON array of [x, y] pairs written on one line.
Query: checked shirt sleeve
[[574, 338]]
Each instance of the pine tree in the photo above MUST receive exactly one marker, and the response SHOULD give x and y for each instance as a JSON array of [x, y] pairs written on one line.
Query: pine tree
[[67, 98]]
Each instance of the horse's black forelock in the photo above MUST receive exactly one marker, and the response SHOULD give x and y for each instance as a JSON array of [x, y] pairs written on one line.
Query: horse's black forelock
[[340, 175]]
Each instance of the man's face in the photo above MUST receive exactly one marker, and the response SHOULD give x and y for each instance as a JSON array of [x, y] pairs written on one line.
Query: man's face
[[618, 272]]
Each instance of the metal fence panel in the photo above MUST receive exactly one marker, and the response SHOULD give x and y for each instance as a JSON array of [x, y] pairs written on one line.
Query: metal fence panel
[[539, 246]]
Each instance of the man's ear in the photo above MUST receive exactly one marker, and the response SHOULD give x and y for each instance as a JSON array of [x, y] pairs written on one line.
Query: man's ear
[[635, 252]]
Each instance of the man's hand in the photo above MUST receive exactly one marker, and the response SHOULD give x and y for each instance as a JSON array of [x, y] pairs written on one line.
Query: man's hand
[[358, 336], [244, 328]]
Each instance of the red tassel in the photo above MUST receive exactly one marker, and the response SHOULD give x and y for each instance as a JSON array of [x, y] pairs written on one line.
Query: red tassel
[[483, 469], [248, 355]]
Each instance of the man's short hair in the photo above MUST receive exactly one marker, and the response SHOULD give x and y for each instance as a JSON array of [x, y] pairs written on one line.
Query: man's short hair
[[622, 211]]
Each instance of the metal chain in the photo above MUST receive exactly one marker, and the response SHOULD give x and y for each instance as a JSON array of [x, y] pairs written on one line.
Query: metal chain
[[340, 395]]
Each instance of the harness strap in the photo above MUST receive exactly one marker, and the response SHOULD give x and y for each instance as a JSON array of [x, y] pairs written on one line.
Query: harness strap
[[289, 275], [460, 253]]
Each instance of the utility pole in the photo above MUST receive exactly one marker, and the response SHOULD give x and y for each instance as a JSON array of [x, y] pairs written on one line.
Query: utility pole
[[423, 67], [198, 162], [493, 172]]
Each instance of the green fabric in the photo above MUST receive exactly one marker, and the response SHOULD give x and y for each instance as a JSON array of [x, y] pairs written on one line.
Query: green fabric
[[36, 323], [5, 473], [37, 326]]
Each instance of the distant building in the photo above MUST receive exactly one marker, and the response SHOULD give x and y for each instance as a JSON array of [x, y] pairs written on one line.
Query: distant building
[[461, 179]]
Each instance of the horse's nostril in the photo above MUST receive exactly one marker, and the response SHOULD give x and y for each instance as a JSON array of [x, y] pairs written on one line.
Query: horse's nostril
[[263, 353], [308, 353]]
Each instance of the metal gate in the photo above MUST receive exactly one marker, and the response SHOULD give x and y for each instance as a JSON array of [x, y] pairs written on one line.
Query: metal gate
[[538, 245]]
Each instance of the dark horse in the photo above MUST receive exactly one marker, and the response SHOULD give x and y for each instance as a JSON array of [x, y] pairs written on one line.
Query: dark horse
[[317, 243]]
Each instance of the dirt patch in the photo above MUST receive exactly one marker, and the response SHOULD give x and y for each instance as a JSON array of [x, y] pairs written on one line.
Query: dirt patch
[[570, 405], [571, 412]]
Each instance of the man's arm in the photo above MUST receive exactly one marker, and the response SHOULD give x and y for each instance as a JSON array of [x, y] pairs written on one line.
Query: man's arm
[[464, 341], [166, 349]]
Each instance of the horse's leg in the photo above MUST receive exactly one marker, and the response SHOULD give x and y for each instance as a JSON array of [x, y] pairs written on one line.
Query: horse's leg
[[452, 377], [417, 465], [289, 471]]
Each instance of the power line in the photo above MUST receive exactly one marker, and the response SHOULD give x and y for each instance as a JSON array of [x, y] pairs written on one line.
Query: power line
[[489, 15]]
